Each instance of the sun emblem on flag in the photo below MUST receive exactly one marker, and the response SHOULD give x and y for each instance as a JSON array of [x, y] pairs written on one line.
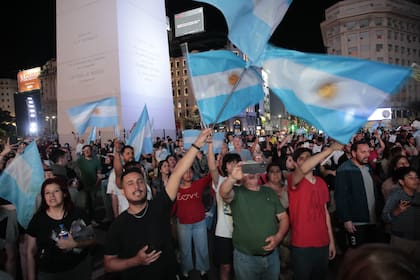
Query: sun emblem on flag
[[233, 79], [327, 91]]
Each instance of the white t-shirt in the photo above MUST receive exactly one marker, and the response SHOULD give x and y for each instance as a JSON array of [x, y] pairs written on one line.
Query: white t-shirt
[[122, 201], [224, 224]]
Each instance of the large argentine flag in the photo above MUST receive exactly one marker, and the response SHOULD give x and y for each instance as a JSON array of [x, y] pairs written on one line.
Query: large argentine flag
[[21, 182], [251, 22], [141, 135], [100, 113], [214, 75], [335, 94]]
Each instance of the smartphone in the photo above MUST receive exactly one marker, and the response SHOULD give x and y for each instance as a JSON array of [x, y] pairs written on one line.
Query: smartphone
[[254, 168]]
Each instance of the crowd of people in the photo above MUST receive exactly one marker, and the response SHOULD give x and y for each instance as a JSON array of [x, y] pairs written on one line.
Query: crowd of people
[[315, 199]]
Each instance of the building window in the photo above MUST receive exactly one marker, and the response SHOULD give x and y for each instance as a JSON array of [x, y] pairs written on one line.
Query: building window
[[178, 83], [364, 35], [364, 23], [380, 59], [389, 48], [185, 72], [351, 39], [177, 64], [350, 25], [379, 47], [178, 92], [177, 73], [353, 51], [179, 105], [379, 34], [185, 91], [379, 21]]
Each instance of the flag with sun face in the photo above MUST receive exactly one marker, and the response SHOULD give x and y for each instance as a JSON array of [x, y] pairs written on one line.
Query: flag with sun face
[[214, 74], [333, 93], [100, 113]]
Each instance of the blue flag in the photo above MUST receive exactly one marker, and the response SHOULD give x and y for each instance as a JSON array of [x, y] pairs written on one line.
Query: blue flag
[[92, 135], [21, 182], [251, 23], [335, 94], [214, 75], [101, 113], [190, 135], [141, 135]]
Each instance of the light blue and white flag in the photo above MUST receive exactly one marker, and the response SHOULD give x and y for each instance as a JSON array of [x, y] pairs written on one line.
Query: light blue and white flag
[[333, 93], [190, 135], [101, 113], [141, 136], [251, 22], [21, 182], [214, 75], [92, 135]]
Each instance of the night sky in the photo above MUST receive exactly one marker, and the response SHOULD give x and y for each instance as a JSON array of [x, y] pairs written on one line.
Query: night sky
[[28, 30]]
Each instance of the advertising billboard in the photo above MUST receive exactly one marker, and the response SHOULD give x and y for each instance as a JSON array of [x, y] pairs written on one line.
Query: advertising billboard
[[189, 22], [381, 114], [29, 79]]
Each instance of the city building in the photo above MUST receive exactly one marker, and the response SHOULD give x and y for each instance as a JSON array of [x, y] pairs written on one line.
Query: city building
[[8, 87], [48, 96], [380, 30]]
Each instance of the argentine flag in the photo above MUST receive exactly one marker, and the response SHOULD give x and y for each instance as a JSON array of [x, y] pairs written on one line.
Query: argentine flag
[[21, 182], [333, 93], [190, 135], [214, 75], [92, 135], [100, 113], [141, 135], [251, 22]]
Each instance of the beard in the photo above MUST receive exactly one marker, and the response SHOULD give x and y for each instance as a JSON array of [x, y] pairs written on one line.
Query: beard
[[138, 201]]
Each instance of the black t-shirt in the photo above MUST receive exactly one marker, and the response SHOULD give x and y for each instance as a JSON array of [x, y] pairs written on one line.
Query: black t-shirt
[[49, 257], [128, 234]]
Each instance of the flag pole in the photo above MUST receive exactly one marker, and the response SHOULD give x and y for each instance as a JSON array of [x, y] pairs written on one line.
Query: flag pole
[[184, 49]]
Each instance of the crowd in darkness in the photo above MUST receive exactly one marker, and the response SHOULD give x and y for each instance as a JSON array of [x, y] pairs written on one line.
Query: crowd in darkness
[[314, 200]]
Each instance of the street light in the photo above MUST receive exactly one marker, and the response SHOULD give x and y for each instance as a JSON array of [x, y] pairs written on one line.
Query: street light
[[51, 125]]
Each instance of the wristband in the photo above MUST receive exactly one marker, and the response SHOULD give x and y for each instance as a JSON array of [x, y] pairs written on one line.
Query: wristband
[[195, 146]]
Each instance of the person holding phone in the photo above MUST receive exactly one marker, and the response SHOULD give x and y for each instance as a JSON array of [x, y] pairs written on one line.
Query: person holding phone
[[402, 211], [139, 242], [260, 224]]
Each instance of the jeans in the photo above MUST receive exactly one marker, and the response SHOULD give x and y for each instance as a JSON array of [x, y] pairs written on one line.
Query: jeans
[[196, 232], [310, 263], [249, 267]]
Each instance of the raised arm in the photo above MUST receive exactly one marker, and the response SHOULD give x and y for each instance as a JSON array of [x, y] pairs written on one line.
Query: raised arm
[[226, 189], [185, 163], [310, 163], [211, 162], [118, 167]]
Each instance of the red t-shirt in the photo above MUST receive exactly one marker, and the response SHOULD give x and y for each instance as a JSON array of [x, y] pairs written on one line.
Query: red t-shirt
[[307, 213], [189, 207]]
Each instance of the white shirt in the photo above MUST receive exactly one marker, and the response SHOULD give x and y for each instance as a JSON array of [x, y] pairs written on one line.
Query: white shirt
[[224, 224], [122, 200]]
